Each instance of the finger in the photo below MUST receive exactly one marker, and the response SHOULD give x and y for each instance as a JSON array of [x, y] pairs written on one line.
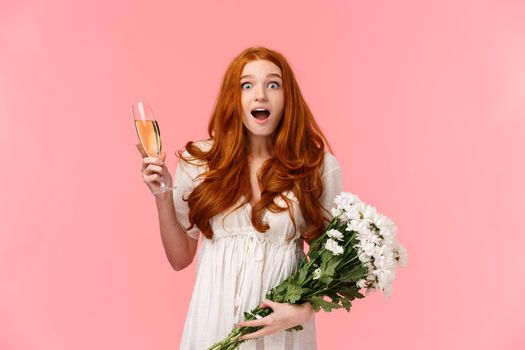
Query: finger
[[150, 169], [263, 305], [157, 160], [152, 178], [268, 303], [141, 150], [251, 323], [160, 159], [150, 160], [260, 333]]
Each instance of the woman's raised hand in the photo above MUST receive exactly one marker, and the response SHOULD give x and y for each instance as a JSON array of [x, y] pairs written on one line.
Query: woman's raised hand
[[153, 169]]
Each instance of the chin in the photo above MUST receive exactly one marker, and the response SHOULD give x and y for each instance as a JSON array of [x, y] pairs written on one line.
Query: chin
[[263, 133], [257, 130]]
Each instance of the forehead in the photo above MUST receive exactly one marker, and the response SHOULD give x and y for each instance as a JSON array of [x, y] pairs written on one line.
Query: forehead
[[260, 68]]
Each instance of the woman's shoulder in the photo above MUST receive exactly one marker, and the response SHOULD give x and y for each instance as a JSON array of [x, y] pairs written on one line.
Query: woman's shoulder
[[330, 162], [203, 145], [190, 163]]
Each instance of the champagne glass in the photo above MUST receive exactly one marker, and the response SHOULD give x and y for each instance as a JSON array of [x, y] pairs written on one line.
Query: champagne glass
[[149, 135]]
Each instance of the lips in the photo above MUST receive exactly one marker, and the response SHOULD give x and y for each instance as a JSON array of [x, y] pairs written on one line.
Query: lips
[[260, 113]]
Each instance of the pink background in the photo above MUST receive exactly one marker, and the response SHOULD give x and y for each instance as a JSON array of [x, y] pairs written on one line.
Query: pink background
[[423, 102]]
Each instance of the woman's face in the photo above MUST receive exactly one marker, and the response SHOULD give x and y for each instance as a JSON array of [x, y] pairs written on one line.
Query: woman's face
[[261, 88]]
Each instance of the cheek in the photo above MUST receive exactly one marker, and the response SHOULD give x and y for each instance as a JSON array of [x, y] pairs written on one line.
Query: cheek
[[245, 100], [281, 112], [280, 102]]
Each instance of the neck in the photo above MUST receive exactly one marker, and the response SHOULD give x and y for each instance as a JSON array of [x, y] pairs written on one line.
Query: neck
[[260, 146]]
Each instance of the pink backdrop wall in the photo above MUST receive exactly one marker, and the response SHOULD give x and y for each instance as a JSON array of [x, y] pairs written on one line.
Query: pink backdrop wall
[[423, 102]]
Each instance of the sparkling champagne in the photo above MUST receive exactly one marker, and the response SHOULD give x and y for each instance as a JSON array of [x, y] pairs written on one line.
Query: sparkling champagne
[[149, 135]]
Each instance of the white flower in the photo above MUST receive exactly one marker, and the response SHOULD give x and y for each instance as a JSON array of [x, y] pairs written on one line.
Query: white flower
[[364, 258], [352, 226], [361, 283], [389, 223], [347, 207], [344, 217], [360, 226], [402, 255], [376, 246], [336, 211], [317, 274], [388, 234], [369, 213], [368, 248], [335, 234], [353, 213], [385, 225], [384, 262], [341, 213], [387, 291], [385, 277], [346, 198], [332, 246]]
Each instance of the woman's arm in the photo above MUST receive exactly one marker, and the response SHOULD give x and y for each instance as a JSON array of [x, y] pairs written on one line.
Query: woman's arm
[[179, 247]]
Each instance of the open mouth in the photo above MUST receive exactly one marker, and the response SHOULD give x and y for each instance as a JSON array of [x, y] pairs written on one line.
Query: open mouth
[[260, 114]]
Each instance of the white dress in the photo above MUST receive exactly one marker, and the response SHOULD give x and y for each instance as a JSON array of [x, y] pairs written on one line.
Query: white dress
[[240, 265]]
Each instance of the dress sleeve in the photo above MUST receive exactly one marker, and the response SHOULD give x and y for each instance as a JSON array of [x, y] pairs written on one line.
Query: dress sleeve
[[184, 183], [332, 183]]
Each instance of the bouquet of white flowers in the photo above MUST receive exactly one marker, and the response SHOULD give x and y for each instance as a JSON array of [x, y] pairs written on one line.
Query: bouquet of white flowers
[[358, 250]]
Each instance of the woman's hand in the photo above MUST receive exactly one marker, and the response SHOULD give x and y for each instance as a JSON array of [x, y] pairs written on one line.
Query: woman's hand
[[284, 316], [153, 169]]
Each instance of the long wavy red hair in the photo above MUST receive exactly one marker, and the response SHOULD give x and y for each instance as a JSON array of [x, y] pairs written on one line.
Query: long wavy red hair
[[298, 151]]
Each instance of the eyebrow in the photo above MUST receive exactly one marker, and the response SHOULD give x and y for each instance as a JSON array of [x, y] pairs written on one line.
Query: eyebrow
[[269, 75]]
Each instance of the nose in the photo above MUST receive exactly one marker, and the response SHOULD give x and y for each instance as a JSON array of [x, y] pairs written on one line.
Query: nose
[[260, 94]]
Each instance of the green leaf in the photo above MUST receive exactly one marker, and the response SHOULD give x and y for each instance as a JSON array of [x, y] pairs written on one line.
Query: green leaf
[[313, 254], [326, 255], [293, 293], [346, 304], [332, 294], [328, 272], [319, 303], [296, 328], [301, 275], [354, 274], [350, 292]]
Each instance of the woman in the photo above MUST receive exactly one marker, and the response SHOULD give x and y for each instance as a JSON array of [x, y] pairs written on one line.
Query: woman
[[260, 186]]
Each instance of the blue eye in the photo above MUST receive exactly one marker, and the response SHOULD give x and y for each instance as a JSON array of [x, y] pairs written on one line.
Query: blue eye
[[272, 82]]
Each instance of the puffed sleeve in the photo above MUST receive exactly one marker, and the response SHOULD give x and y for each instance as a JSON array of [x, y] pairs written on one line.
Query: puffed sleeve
[[332, 183], [184, 183]]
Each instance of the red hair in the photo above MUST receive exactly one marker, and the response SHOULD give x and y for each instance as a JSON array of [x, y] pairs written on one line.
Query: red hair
[[298, 151]]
